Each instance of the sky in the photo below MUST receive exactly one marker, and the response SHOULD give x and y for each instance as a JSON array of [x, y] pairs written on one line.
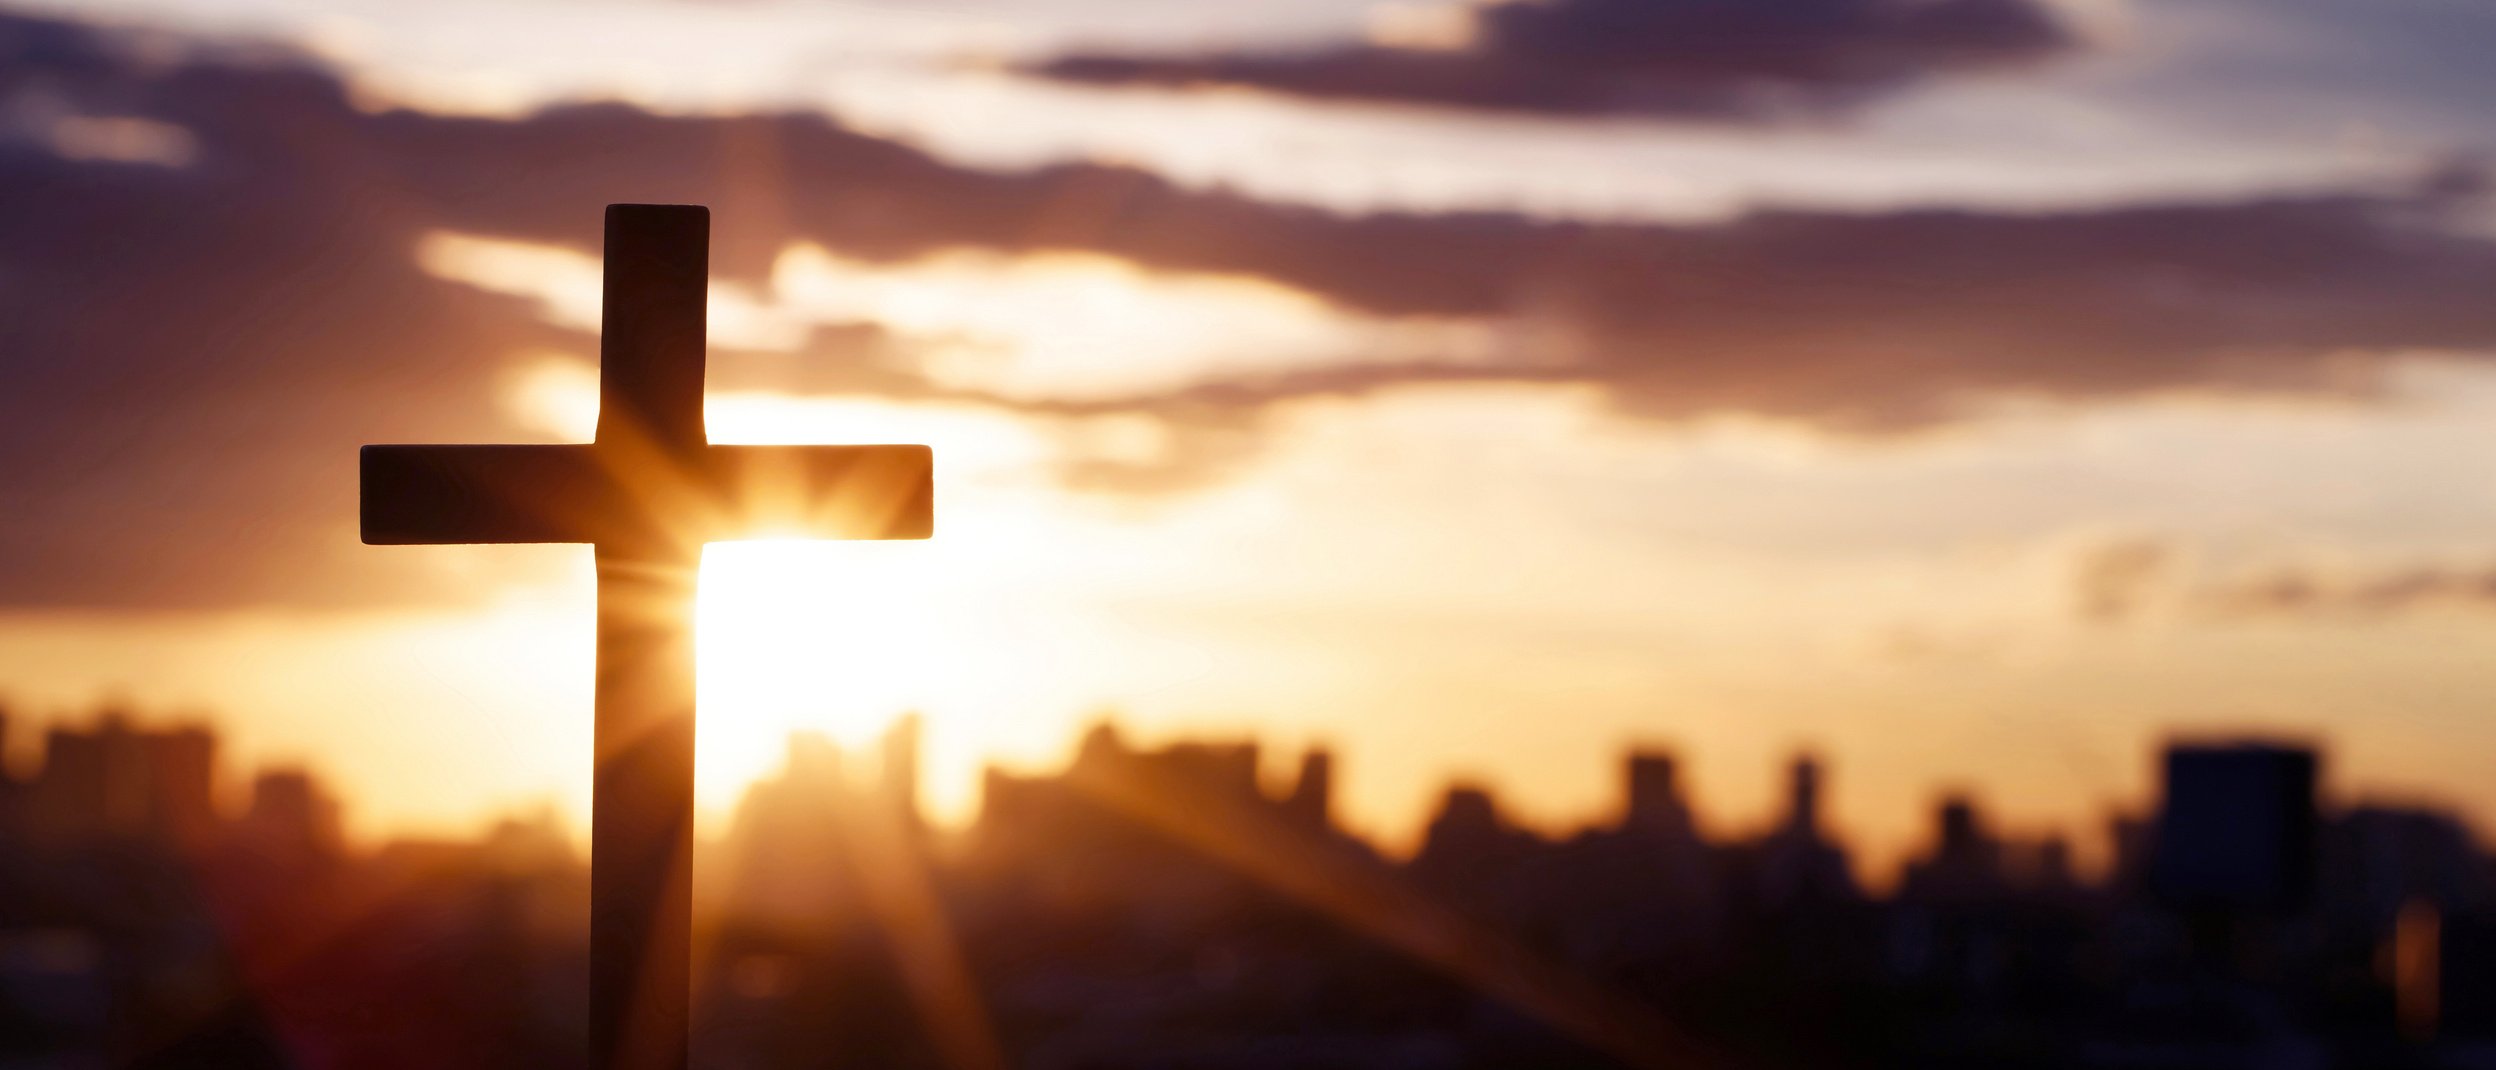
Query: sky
[[1975, 392]]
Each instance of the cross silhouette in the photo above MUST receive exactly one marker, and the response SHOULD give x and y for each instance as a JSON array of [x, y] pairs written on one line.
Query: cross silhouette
[[647, 494]]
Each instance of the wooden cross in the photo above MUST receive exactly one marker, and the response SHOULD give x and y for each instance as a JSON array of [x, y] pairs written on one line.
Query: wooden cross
[[647, 494]]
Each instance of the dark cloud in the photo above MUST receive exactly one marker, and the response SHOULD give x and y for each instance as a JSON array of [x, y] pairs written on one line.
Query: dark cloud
[[189, 354], [1891, 321], [1714, 59], [2300, 591], [191, 349], [2402, 70]]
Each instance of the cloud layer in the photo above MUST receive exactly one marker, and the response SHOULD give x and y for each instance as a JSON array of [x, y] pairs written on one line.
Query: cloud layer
[[1711, 59], [2289, 591], [196, 340], [2120, 581]]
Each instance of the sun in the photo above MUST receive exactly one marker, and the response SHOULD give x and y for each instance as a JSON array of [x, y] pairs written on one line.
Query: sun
[[828, 637]]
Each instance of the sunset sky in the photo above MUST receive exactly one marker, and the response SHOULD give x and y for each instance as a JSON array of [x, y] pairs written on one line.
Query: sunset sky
[[1974, 391]]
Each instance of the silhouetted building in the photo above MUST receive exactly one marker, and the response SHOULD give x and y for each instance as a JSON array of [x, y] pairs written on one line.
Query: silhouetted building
[[1467, 841], [2380, 858], [291, 818], [1964, 863], [1797, 862], [2236, 826], [1653, 806], [1311, 802], [1802, 798], [1163, 907], [2045, 866], [182, 785], [2132, 840], [1226, 770], [788, 865], [114, 780]]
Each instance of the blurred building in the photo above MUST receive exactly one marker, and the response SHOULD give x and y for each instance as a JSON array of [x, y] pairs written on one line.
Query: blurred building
[[291, 819], [2236, 826], [1798, 861], [119, 781], [1963, 864]]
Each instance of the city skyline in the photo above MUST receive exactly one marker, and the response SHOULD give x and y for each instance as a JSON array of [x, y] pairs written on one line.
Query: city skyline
[[2089, 848], [1210, 912]]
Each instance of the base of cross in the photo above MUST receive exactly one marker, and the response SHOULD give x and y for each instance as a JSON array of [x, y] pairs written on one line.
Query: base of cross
[[641, 827]]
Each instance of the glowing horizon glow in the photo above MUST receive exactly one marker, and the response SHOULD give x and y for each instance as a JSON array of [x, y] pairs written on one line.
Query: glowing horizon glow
[[1037, 603], [794, 636], [841, 638]]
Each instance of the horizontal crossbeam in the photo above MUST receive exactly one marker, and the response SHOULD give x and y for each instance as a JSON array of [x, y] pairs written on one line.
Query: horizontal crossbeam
[[599, 494]]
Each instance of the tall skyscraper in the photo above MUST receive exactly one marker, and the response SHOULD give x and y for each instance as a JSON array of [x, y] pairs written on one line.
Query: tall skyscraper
[[2236, 826], [1802, 806], [1798, 861]]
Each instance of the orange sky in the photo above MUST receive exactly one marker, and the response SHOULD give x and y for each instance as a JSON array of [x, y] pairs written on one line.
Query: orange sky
[[1978, 436]]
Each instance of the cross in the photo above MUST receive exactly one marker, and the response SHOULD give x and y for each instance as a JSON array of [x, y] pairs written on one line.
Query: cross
[[647, 494]]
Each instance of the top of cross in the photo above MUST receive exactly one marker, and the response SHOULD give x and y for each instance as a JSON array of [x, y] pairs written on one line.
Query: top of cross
[[650, 348], [651, 480]]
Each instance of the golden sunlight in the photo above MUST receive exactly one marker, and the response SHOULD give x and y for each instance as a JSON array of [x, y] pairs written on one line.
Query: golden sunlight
[[833, 638], [842, 637]]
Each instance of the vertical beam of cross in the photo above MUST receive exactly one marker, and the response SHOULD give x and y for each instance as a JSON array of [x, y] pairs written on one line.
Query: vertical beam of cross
[[648, 493], [650, 368]]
